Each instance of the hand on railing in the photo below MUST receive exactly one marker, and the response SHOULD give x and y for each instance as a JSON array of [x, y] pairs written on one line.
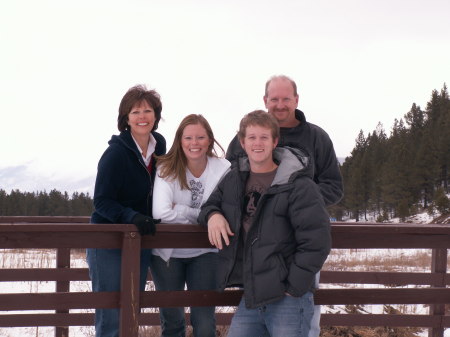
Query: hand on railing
[[218, 228], [145, 224]]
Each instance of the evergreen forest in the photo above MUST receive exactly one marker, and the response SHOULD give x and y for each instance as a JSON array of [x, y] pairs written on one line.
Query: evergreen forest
[[404, 173], [45, 204], [386, 176]]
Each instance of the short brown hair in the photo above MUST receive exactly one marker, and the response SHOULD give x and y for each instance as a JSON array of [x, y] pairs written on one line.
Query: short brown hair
[[135, 95], [260, 118], [281, 77], [173, 164]]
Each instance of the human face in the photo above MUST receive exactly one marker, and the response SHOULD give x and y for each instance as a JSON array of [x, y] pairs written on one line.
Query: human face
[[195, 142], [141, 119], [258, 143], [281, 102]]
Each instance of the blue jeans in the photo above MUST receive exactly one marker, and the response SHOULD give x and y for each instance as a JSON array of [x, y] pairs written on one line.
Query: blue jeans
[[288, 317], [104, 270], [198, 273], [314, 330]]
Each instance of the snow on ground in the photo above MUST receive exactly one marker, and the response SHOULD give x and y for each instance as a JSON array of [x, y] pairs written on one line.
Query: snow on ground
[[421, 218], [418, 218], [39, 258]]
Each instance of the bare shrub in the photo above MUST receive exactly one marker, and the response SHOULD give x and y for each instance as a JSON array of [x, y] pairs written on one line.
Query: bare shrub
[[418, 260], [358, 331]]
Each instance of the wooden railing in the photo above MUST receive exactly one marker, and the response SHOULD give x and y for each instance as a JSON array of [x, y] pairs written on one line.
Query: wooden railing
[[66, 233]]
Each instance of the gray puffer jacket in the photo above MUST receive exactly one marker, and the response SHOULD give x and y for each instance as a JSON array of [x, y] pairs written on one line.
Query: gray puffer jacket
[[289, 239]]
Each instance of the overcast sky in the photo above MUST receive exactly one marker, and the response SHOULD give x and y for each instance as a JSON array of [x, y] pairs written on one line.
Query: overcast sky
[[64, 67]]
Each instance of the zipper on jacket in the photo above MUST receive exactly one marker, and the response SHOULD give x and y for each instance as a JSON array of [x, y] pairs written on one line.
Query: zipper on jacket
[[248, 251], [139, 158], [150, 194], [252, 296]]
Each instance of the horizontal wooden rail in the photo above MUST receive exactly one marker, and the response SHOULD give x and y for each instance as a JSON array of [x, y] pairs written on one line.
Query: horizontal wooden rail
[[44, 274], [150, 299], [334, 277], [86, 319], [344, 235], [66, 233], [384, 278]]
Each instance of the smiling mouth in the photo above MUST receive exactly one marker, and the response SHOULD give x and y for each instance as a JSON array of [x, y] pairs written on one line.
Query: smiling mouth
[[194, 150], [142, 124]]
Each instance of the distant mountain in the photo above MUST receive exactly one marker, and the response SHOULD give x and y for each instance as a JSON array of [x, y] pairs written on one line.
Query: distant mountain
[[24, 178]]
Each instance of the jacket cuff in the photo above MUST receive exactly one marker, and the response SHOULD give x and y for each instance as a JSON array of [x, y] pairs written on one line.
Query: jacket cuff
[[210, 214], [292, 291], [129, 216]]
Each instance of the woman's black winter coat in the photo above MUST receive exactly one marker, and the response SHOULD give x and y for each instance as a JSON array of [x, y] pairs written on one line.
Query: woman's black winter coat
[[124, 186]]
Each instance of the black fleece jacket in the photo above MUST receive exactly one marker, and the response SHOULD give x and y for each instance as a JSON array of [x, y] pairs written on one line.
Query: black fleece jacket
[[124, 186]]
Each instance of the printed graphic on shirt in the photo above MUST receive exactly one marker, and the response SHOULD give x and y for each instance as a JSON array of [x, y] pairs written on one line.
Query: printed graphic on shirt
[[257, 185], [197, 191], [251, 200]]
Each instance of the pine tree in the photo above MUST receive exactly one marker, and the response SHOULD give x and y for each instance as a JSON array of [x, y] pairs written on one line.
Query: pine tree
[[3, 201], [441, 201], [443, 139], [377, 162], [353, 176]]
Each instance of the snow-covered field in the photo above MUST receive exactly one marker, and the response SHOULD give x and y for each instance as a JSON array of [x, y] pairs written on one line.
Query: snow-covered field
[[39, 258], [369, 259]]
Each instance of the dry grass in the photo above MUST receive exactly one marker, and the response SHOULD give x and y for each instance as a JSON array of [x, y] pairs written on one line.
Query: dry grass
[[359, 331], [27, 258], [369, 332], [388, 260]]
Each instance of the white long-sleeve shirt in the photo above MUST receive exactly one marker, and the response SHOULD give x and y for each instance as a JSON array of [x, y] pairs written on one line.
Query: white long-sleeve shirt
[[171, 204]]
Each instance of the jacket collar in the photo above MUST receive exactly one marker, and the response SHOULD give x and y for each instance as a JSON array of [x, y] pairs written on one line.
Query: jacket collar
[[292, 162], [300, 116]]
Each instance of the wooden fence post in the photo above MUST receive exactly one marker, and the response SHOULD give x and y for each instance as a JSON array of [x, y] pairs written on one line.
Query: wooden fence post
[[62, 261], [439, 266], [129, 292]]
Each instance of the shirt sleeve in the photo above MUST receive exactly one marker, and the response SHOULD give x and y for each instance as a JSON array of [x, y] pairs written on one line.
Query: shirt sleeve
[[108, 183], [164, 206]]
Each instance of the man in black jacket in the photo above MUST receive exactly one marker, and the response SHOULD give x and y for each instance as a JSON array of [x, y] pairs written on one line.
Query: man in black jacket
[[281, 100], [272, 218]]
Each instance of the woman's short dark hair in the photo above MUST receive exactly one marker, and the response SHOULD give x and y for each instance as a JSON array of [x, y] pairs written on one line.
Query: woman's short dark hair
[[135, 95]]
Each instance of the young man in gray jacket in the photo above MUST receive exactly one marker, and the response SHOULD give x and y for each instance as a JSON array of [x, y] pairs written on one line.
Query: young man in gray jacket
[[281, 100], [268, 219]]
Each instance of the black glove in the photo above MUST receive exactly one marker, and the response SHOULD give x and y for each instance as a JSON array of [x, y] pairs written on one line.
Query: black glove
[[145, 224]]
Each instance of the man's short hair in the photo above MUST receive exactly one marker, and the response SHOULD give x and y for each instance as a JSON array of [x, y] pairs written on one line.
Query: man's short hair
[[281, 77], [259, 118]]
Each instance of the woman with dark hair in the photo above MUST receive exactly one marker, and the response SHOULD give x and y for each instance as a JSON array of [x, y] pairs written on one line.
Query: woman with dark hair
[[123, 193], [185, 178]]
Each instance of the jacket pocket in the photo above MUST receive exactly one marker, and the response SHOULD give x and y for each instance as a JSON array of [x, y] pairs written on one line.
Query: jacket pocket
[[283, 269]]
